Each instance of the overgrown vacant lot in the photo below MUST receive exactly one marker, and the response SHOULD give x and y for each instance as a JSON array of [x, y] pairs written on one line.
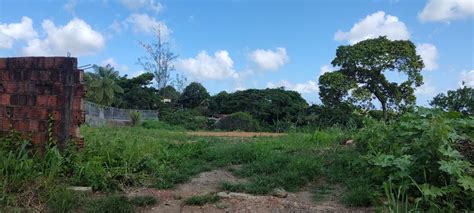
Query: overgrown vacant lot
[[151, 169]]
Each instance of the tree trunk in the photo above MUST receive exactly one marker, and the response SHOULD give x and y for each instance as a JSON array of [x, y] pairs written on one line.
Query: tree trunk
[[384, 109]]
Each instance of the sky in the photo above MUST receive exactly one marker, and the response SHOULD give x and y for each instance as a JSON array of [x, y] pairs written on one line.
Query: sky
[[240, 44]]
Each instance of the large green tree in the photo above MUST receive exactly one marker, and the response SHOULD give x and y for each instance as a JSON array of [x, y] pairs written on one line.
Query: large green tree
[[460, 100], [138, 93], [102, 86], [364, 66], [194, 95], [268, 106]]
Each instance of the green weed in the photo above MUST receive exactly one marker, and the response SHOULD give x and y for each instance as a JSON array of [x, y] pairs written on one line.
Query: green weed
[[144, 201], [110, 204], [200, 200]]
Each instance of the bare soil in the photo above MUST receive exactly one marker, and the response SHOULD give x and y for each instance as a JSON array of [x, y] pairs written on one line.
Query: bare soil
[[172, 200], [237, 134]]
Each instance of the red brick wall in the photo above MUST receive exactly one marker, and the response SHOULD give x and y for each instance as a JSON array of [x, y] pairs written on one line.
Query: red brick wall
[[34, 88]]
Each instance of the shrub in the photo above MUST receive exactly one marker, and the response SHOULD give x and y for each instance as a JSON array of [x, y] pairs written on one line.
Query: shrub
[[238, 121], [417, 153], [135, 117], [189, 119], [152, 124], [63, 200]]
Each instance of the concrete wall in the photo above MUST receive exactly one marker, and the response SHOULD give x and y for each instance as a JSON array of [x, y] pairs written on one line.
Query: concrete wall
[[34, 88]]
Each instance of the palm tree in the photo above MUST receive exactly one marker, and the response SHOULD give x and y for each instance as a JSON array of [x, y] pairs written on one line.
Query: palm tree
[[102, 85]]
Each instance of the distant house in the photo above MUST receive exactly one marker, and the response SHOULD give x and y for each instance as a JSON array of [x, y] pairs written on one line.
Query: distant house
[[166, 100]]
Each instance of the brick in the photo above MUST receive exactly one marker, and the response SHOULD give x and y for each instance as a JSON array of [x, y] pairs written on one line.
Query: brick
[[57, 89], [20, 125], [5, 99], [39, 139], [44, 75], [21, 112], [79, 76], [52, 101], [48, 63], [6, 76], [43, 126], [10, 87], [5, 124], [77, 103], [14, 100], [34, 76], [78, 117], [3, 63], [38, 113], [31, 88], [80, 90], [31, 100], [22, 100], [42, 100], [56, 115], [55, 76], [33, 126]]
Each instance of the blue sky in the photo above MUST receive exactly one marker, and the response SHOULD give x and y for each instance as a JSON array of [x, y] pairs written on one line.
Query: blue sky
[[239, 44]]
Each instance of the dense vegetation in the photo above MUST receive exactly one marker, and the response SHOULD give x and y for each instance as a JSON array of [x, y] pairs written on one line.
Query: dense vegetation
[[419, 161]]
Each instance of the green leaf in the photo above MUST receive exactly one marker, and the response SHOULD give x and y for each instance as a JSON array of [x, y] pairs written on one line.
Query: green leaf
[[467, 182], [431, 191]]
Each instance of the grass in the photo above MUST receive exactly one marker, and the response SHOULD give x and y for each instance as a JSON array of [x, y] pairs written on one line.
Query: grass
[[321, 192], [161, 158], [110, 204], [144, 201], [200, 200]]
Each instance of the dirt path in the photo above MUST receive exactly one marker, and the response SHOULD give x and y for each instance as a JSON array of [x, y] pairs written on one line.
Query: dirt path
[[173, 200], [237, 134]]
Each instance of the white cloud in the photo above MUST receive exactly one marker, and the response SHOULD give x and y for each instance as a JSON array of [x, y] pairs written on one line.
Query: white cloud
[[429, 54], [269, 59], [427, 89], [76, 37], [374, 25], [303, 88], [446, 10], [468, 78], [145, 4], [9, 33], [119, 67], [204, 66], [70, 6], [326, 68], [144, 23]]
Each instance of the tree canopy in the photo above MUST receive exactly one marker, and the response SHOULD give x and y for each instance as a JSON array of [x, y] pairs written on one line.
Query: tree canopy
[[460, 100], [102, 85], [266, 105], [363, 67], [194, 95]]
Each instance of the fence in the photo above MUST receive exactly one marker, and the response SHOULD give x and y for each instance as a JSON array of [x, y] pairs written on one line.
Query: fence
[[98, 115]]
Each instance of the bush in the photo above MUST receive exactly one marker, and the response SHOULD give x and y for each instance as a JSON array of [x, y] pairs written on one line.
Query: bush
[[151, 124], [189, 119], [238, 121], [135, 117], [416, 154]]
